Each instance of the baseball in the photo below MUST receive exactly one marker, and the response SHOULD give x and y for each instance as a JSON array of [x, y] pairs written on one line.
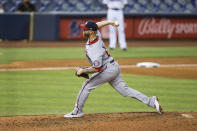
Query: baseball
[[116, 23]]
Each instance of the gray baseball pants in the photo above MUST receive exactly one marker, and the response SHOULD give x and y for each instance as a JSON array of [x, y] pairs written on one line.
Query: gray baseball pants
[[110, 73]]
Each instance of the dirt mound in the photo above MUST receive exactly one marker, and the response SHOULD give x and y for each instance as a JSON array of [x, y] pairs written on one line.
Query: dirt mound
[[169, 121]]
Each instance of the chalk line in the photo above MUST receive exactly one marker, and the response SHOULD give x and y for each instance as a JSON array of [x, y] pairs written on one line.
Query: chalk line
[[70, 68]]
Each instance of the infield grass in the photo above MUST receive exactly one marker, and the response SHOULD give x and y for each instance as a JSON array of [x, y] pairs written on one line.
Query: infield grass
[[8, 55], [55, 92]]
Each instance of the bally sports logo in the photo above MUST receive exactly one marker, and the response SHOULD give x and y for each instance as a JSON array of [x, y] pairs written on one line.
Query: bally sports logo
[[167, 27]]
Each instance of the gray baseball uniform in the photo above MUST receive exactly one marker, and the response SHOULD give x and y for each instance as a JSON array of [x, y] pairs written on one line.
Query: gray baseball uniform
[[98, 57]]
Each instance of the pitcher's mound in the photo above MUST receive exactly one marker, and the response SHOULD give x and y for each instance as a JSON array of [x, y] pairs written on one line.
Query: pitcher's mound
[[173, 121]]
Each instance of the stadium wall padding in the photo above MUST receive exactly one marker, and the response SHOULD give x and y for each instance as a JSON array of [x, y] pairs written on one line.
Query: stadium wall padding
[[62, 26], [46, 27], [14, 26]]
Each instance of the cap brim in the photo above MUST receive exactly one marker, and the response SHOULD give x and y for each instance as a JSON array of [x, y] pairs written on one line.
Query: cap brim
[[83, 26]]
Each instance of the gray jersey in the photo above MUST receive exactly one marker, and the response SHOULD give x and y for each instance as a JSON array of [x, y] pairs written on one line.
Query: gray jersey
[[96, 52]]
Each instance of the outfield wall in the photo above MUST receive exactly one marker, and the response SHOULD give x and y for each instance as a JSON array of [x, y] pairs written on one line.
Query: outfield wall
[[14, 27], [60, 26]]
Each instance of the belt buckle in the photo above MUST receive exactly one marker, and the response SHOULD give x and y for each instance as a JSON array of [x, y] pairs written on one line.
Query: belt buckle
[[115, 9]]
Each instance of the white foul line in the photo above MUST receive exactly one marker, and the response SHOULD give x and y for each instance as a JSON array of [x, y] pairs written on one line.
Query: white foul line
[[37, 69], [69, 68], [179, 65], [168, 65]]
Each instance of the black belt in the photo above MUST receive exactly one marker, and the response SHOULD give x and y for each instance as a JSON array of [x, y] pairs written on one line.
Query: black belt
[[111, 61], [115, 9]]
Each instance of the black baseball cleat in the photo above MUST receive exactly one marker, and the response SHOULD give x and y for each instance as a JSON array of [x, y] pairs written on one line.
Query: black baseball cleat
[[124, 49]]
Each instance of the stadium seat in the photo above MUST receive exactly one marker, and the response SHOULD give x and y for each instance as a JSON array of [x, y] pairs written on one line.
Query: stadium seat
[[169, 4], [81, 7], [45, 4], [130, 3], [95, 6], [58, 6], [72, 2], [134, 6], [142, 5], [8, 5], [154, 5], [37, 3], [137, 7], [50, 7], [66, 7]]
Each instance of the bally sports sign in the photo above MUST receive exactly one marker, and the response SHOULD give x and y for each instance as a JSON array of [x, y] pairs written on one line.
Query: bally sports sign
[[165, 28], [137, 28]]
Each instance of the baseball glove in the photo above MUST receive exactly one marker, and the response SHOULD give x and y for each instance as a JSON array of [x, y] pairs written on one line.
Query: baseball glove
[[84, 75]]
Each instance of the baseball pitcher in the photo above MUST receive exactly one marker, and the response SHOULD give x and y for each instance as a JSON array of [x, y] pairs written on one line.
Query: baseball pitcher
[[104, 69]]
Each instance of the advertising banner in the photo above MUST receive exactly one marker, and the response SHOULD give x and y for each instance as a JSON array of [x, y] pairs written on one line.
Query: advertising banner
[[165, 28], [136, 28], [70, 28]]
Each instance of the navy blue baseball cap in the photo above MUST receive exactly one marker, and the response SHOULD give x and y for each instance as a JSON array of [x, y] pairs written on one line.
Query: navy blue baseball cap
[[90, 25]]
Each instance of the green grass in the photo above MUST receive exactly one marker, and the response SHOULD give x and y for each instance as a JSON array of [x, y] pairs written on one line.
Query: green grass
[[8, 55], [54, 92]]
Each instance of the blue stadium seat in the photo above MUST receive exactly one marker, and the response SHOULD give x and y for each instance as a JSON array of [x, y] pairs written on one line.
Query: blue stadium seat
[[142, 5], [81, 7], [15, 6], [45, 4], [130, 3], [67, 7], [50, 7], [73, 2], [163, 8], [87, 2], [195, 9], [58, 6], [154, 5], [95, 6], [37, 3], [182, 3], [64, 7], [8, 5], [169, 4], [179, 6], [134, 6]]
